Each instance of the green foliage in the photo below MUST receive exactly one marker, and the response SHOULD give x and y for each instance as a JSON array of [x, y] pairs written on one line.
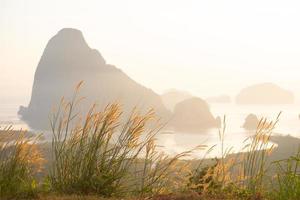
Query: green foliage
[[287, 179]]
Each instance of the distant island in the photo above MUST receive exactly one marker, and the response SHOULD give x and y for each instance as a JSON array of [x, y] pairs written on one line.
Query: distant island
[[66, 60], [219, 99], [251, 122], [174, 96], [193, 115], [264, 93]]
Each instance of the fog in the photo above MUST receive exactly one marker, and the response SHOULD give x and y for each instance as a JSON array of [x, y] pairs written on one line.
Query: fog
[[207, 48]]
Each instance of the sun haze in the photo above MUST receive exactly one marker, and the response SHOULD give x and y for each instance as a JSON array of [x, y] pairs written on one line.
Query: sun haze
[[204, 47]]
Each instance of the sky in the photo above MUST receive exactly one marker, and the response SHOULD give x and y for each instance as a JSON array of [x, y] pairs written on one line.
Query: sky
[[205, 47]]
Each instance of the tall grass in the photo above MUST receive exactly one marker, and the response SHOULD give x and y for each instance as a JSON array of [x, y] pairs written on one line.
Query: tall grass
[[103, 154], [100, 154], [287, 178], [254, 163], [19, 161], [241, 173], [158, 172]]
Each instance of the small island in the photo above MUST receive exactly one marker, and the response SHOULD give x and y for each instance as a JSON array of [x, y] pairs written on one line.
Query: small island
[[193, 115], [251, 122], [265, 93]]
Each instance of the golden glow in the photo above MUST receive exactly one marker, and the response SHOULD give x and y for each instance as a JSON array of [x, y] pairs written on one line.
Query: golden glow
[[205, 47]]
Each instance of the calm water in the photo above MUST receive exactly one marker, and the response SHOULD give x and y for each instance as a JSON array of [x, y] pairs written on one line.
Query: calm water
[[175, 142]]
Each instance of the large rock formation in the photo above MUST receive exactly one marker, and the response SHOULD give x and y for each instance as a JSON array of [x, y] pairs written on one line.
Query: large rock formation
[[67, 59], [173, 96], [193, 115], [265, 93]]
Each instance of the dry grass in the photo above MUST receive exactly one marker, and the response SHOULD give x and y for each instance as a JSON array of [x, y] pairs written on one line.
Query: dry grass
[[100, 155], [105, 156], [72, 197], [20, 160], [242, 175]]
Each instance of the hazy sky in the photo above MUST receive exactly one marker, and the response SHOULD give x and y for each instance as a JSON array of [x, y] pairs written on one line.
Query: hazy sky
[[207, 47]]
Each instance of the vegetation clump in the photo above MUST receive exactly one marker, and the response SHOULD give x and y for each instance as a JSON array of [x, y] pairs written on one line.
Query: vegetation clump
[[20, 161], [103, 156]]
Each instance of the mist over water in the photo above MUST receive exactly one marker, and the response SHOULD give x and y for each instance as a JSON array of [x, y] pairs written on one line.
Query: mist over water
[[173, 142]]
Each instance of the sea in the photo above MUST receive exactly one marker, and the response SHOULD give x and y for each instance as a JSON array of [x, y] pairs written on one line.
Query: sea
[[172, 143]]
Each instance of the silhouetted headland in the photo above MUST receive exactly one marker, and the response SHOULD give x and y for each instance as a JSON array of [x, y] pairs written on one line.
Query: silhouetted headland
[[67, 60]]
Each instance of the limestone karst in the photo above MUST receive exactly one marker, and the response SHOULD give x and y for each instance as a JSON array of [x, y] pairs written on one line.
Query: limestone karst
[[67, 60], [193, 115]]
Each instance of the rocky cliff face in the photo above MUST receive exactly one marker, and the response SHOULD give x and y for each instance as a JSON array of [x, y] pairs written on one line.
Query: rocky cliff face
[[265, 93], [67, 60]]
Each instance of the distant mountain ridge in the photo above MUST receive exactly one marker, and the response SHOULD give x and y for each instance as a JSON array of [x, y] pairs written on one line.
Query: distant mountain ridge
[[66, 60]]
